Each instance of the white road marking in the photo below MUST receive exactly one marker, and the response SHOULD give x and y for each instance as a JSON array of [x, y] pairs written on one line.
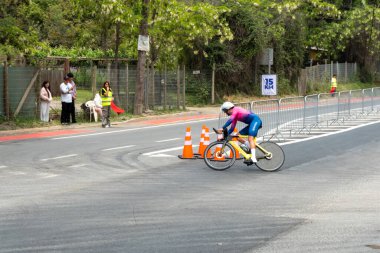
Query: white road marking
[[108, 149], [2, 166], [328, 134], [165, 150], [131, 129], [17, 173], [47, 175], [163, 155], [58, 157], [159, 153], [174, 139], [78, 165]]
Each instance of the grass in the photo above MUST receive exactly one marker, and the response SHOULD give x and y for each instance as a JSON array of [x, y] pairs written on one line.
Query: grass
[[354, 86], [83, 96], [325, 88]]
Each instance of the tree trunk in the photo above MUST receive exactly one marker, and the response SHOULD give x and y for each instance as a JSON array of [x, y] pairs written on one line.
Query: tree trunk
[[139, 94]]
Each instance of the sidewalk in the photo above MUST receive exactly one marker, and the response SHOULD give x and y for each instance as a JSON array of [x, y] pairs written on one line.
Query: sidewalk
[[192, 113]]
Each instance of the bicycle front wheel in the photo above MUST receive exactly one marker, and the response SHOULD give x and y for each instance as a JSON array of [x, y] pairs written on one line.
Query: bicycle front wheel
[[273, 162], [218, 159]]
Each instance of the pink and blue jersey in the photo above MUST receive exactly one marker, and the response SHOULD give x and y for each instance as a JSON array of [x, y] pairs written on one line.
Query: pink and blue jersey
[[240, 114]]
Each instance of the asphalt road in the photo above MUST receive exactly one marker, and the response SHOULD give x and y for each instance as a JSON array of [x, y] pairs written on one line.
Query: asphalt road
[[125, 190]]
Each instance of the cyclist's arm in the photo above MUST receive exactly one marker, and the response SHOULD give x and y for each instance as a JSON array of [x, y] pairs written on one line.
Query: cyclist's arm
[[232, 128], [231, 121]]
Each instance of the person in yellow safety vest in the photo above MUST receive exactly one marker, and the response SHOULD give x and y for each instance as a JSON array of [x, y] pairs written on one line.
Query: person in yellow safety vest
[[334, 85], [106, 95]]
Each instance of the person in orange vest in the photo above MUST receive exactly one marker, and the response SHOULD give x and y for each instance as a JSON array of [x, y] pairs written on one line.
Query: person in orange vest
[[106, 94], [334, 85]]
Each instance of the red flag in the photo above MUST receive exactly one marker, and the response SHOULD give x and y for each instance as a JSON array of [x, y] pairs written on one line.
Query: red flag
[[116, 109]]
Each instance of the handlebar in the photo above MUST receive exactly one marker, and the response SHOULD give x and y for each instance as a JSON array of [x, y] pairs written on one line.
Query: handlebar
[[225, 132]]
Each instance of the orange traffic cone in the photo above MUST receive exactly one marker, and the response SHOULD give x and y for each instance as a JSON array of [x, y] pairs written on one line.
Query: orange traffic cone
[[217, 154], [202, 146], [206, 143], [187, 152]]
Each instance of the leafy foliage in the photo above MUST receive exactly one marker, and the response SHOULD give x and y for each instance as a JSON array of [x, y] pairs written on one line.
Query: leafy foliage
[[198, 90], [230, 33]]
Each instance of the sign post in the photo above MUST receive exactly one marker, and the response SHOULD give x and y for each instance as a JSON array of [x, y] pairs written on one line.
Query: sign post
[[267, 58]]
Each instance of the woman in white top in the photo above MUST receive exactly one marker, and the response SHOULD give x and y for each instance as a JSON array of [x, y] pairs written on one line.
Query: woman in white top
[[46, 98]]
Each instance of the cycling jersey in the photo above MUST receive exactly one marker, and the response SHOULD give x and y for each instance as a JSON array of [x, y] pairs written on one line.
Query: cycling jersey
[[245, 116]]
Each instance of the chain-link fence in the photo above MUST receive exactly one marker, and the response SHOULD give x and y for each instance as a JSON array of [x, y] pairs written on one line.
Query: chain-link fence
[[164, 88], [319, 76]]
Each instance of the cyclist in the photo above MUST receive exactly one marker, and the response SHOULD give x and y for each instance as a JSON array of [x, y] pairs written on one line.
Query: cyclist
[[252, 120]]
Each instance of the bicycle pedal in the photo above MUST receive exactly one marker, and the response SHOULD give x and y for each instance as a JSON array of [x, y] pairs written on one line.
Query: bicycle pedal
[[248, 162]]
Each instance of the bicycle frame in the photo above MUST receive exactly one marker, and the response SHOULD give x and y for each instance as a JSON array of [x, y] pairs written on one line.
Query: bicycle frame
[[233, 141], [223, 153]]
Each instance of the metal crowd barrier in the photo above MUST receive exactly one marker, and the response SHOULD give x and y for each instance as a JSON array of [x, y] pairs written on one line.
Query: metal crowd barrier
[[299, 115], [376, 99], [328, 108], [269, 113]]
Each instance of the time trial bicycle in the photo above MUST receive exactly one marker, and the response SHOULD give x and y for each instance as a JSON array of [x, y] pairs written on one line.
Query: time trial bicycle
[[221, 154]]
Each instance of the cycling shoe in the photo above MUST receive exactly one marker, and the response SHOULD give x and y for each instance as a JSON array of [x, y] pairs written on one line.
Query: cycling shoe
[[248, 162]]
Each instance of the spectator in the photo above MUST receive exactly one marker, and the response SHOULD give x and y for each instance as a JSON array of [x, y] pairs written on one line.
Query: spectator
[[66, 100], [98, 105], [106, 94], [46, 98], [74, 96], [334, 85]]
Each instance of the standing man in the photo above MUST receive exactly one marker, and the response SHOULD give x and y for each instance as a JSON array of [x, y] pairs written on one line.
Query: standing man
[[106, 94], [334, 85], [74, 96], [66, 100]]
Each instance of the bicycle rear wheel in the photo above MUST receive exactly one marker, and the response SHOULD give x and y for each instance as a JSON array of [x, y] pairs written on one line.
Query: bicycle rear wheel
[[272, 163], [218, 159]]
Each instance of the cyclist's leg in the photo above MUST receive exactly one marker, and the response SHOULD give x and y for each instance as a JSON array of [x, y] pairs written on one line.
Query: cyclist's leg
[[244, 131], [253, 130]]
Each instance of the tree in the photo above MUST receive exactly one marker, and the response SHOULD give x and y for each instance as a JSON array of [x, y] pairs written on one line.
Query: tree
[[353, 37], [282, 25], [141, 60], [177, 26], [16, 37]]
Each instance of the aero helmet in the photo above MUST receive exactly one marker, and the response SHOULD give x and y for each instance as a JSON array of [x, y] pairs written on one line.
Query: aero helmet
[[226, 106]]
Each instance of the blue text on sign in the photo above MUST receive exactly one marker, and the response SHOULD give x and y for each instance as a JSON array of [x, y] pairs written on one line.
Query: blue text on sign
[[268, 83]]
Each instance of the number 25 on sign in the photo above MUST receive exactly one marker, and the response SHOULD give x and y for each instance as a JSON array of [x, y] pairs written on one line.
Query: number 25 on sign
[[269, 85]]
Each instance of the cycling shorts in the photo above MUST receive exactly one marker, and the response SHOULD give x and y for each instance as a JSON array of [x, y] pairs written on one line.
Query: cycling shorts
[[253, 128]]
